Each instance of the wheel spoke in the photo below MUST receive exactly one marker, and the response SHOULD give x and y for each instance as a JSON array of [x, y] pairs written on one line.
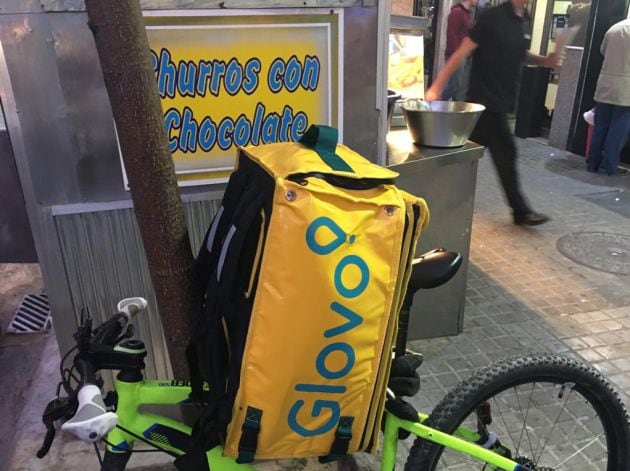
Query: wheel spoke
[[566, 399], [504, 422], [524, 428], [580, 450]]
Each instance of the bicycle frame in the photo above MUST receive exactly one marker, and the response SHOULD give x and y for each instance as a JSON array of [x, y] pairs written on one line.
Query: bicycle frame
[[163, 432], [464, 445], [174, 436]]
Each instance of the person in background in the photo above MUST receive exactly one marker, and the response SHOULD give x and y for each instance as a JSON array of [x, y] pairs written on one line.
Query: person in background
[[499, 44], [612, 108], [459, 25]]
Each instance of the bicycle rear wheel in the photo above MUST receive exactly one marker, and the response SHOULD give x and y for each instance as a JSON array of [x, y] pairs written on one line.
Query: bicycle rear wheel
[[547, 412]]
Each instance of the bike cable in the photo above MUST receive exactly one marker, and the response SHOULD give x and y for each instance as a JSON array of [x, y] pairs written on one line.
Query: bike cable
[[98, 455], [66, 384]]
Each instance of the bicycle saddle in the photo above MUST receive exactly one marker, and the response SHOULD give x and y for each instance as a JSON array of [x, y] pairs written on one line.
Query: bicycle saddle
[[433, 269]]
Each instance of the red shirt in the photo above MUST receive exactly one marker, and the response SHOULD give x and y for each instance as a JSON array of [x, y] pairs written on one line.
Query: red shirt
[[459, 25]]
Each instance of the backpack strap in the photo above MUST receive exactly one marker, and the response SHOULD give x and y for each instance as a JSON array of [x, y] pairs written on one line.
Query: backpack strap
[[207, 256], [249, 435], [341, 443], [323, 140], [217, 265], [208, 353]]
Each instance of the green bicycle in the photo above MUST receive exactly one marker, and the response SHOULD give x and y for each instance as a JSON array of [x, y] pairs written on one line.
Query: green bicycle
[[538, 412]]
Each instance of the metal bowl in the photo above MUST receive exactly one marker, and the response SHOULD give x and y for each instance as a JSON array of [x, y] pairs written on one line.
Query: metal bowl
[[440, 123]]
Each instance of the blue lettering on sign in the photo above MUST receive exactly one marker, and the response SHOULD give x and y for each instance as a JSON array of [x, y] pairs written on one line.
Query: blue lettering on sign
[[217, 75], [242, 131], [188, 132], [294, 74], [186, 78], [172, 120], [275, 75], [310, 77], [185, 133], [207, 134], [233, 77], [353, 320], [225, 133], [252, 68]]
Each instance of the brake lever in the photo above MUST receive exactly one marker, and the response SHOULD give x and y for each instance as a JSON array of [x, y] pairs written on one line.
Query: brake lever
[[58, 408], [48, 440]]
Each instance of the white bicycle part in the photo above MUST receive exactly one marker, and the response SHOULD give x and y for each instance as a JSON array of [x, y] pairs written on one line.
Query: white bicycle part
[[91, 422], [132, 306]]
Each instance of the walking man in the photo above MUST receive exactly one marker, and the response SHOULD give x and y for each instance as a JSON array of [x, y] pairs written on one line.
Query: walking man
[[499, 44], [612, 110]]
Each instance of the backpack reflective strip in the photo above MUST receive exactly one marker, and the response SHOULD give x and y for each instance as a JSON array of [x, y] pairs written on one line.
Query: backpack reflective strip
[[213, 229], [224, 249]]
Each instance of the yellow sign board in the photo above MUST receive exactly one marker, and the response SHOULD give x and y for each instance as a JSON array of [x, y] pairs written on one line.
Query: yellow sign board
[[238, 79]]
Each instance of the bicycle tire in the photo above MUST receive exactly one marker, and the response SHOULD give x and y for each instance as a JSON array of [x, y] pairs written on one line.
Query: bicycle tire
[[462, 402], [115, 461]]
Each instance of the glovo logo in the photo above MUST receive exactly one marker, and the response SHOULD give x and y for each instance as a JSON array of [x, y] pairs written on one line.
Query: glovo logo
[[330, 405]]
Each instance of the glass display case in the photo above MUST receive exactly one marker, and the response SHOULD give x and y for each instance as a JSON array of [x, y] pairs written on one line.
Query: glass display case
[[407, 71]]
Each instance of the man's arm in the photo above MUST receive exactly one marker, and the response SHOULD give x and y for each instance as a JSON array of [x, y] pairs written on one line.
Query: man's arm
[[464, 50], [550, 60]]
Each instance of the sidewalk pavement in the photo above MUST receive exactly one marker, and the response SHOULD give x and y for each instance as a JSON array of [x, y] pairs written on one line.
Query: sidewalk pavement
[[523, 295]]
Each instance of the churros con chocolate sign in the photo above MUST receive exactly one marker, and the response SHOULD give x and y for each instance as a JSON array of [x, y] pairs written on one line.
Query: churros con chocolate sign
[[235, 79]]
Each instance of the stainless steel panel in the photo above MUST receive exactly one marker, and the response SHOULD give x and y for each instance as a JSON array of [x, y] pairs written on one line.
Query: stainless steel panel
[[410, 23], [77, 5], [16, 240], [50, 150], [96, 165], [565, 98], [360, 116], [446, 179], [42, 224], [20, 6], [105, 261]]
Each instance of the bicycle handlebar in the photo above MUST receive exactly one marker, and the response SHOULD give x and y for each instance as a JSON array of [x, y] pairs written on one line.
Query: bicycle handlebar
[[132, 306], [84, 409], [91, 421]]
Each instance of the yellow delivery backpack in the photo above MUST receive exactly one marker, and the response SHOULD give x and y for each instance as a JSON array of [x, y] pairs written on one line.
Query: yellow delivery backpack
[[305, 265]]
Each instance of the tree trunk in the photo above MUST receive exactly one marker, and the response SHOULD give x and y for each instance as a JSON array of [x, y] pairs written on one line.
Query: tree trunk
[[123, 49]]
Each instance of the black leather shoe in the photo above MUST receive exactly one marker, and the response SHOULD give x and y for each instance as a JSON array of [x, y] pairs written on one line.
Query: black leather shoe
[[530, 219]]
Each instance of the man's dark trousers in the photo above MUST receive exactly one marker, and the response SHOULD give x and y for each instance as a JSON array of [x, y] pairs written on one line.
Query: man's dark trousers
[[492, 131]]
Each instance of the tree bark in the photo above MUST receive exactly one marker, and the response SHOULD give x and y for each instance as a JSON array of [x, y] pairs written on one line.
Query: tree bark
[[123, 49]]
